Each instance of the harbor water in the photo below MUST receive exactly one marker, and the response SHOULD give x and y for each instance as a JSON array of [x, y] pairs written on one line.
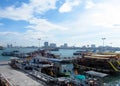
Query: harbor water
[[109, 81], [61, 52]]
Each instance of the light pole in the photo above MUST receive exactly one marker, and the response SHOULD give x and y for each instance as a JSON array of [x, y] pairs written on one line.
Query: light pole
[[111, 44], [15, 44], [111, 47], [39, 43], [103, 42]]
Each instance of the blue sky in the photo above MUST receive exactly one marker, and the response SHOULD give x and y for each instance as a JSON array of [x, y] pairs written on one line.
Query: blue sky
[[76, 22]]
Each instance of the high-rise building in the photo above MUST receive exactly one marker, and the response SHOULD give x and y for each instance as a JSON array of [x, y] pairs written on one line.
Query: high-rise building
[[93, 46], [52, 45], [9, 45], [65, 45], [46, 44]]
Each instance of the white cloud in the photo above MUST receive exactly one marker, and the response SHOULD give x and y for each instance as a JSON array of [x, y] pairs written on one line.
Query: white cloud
[[41, 6], [44, 25], [8, 33], [21, 39], [38, 28], [26, 11], [96, 21], [68, 5], [104, 14], [21, 13], [89, 4]]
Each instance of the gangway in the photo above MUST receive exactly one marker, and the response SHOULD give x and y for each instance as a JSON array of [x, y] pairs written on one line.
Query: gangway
[[118, 62], [113, 66]]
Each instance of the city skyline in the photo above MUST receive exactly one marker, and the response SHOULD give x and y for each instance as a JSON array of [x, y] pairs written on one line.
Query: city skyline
[[76, 22], [54, 45]]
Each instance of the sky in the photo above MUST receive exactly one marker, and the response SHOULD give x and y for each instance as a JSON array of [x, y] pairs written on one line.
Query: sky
[[76, 22]]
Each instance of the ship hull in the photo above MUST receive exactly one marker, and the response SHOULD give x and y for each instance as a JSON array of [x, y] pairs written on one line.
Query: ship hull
[[101, 65]]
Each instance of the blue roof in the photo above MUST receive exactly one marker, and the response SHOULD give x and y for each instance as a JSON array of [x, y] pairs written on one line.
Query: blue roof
[[80, 77]]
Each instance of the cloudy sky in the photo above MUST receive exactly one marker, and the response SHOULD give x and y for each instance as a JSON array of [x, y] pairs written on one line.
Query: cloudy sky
[[76, 22]]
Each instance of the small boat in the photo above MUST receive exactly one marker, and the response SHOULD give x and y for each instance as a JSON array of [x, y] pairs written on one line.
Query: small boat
[[1, 48], [80, 52], [54, 49], [10, 53]]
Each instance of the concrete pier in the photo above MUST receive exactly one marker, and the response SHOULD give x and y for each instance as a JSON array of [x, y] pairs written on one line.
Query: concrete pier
[[16, 78]]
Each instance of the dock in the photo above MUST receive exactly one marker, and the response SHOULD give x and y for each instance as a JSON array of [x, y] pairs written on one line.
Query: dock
[[16, 78]]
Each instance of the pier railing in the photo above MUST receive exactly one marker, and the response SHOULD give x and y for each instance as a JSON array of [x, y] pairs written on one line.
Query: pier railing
[[5, 81]]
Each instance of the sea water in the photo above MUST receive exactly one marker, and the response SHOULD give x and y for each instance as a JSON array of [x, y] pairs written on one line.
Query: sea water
[[3, 58], [22, 50], [61, 52]]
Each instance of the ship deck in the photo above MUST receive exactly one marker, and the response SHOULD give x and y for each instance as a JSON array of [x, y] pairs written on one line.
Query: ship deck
[[100, 57], [17, 78]]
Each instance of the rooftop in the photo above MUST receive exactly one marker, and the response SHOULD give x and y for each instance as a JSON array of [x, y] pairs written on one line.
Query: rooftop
[[97, 74]]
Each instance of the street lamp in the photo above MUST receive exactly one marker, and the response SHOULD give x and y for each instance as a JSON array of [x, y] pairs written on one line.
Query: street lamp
[[103, 42], [111, 47], [15, 44], [111, 44], [39, 43]]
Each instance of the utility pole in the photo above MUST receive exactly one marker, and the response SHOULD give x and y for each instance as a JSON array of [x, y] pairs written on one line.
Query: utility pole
[[111, 47], [103, 42], [39, 43], [111, 44]]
